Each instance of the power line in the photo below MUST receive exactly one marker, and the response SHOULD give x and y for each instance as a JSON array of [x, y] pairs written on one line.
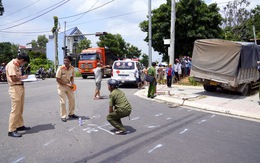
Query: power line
[[35, 17], [87, 11], [15, 21], [20, 9], [84, 13], [130, 13]]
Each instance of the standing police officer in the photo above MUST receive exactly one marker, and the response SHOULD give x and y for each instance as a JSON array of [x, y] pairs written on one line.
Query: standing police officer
[[16, 92], [119, 106], [65, 79]]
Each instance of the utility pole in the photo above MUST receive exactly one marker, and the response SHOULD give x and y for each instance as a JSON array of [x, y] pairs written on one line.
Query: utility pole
[[64, 41], [172, 39], [150, 33], [55, 34]]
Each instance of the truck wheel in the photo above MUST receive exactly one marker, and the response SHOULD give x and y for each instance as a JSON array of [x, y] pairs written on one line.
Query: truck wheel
[[210, 88], [84, 76], [245, 90]]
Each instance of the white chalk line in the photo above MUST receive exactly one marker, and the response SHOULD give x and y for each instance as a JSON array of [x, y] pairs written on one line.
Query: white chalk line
[[183, 131], [158, 146], [20, 159], [202, 121]]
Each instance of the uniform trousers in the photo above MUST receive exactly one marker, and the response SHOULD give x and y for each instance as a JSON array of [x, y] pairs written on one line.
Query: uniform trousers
[[65, 92], [114, 118], [16, 93]]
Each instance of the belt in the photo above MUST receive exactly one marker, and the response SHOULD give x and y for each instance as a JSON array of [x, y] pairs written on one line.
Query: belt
[[17, 84]]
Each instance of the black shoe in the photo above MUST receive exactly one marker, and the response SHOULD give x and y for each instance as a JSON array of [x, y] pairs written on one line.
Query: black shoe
[[63, 119], [23, 128], [73, 116], [14, 134]]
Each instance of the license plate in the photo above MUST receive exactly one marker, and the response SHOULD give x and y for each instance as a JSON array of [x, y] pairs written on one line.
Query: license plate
[[86, 69], [213, 83]]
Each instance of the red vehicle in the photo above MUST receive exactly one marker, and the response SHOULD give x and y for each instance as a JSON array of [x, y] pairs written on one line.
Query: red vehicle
[[89, 58]]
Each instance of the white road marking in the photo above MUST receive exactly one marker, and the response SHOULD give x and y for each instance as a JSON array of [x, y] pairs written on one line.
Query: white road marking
[[202, 121], [48, 143], [153, 126], [71, 129], [189, 110], [157, 115], [96, 116], [20, 159], [158, 146], [183, 131], [135, 118], [106, 130], [169, 118], [212, 116]]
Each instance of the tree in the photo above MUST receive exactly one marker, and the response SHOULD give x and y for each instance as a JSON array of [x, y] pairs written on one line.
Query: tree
[[236, 22], [115, 43], [194, 20], [83, 44], [145, 60], [132, 51], [8, 51]]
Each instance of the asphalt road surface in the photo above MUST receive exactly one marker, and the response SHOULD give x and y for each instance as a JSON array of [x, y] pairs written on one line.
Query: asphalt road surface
[[157, 133]]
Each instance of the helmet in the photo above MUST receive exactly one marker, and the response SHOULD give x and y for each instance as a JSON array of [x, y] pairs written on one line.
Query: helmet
[[113, 82]]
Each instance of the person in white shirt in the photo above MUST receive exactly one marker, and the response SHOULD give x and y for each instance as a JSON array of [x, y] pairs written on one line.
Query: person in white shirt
[[98, 78]]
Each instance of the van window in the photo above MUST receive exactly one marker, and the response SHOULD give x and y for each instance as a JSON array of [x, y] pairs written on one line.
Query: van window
[[124, 65]]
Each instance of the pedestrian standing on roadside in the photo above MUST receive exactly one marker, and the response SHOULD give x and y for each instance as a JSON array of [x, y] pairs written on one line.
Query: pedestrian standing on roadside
[[170, 74], [65, 80], [119, 107], [152, 85], [98, 78], [17, 94]]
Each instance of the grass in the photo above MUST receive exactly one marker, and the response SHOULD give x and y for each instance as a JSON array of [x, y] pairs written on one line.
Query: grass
[[188, 81]]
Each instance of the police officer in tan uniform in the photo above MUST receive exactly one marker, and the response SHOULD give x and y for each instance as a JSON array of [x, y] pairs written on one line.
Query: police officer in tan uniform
[[16, 92], [65, 79]]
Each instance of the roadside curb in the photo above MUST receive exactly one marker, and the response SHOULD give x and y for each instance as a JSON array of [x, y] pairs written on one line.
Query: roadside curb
[[179, 100]]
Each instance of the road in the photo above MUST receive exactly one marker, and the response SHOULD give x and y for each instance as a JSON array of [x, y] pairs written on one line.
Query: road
[[157, 132]]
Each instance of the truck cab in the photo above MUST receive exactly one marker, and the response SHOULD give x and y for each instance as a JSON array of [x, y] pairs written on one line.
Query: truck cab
[[88, 59]]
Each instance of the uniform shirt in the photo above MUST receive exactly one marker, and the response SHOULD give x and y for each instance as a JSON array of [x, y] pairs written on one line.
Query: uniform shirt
[[118, 99], [65, 74], [13, 69], [151, 71]]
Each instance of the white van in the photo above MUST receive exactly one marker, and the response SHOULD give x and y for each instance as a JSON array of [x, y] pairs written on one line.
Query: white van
[[124, 71]]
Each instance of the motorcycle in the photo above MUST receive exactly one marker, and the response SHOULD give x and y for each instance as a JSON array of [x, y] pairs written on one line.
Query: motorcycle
[[40, 75], [2, 76]]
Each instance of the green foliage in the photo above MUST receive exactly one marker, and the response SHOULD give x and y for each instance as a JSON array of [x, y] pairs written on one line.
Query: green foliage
[[118, 46], [238, 21], [8, 51], [192, 81], [145, 60], [83, 44], [194, 20], [40, 62]]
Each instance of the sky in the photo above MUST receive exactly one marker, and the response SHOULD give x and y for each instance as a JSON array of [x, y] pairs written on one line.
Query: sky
[[24, 20]]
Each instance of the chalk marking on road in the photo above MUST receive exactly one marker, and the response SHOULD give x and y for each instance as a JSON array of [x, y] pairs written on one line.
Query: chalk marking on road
[[183, 131], [158, 146], [71, 129], [106, 130], [152, 126], [212, 116], [202, 121], [180, 109], [92, 124], [104, 125], [169, 118], [157, 115], [189, 110], [18, 160], [135, 118], [48, 143], [96, 116]]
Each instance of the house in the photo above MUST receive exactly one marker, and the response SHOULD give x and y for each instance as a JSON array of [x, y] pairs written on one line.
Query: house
[[71, 43]]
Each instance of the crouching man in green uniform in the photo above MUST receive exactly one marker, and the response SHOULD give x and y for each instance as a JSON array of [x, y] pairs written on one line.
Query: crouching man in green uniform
[[119, 107]]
